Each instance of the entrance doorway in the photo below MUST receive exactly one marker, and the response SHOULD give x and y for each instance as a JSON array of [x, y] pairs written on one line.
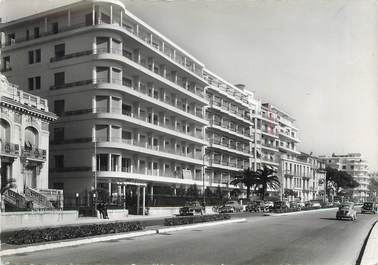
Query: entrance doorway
[[5, 173], [31, 176]]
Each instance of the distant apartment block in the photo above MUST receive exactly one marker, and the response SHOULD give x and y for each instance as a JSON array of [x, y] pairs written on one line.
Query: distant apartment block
[[356, 166]]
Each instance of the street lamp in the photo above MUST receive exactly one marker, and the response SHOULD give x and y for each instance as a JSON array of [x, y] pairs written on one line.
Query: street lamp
[[203, 178]]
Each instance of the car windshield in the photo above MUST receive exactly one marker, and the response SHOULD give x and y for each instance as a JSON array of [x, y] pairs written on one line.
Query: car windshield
[[230, 202], [368, 204], [346, 205]]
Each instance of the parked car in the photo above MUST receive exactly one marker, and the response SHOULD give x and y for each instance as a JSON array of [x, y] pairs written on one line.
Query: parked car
[[295, 205], [346, 211], [192, 208], [231, 207], [301, 204], [244, 202], [281, 206], [369, 207], [313, 204], [257, 206]]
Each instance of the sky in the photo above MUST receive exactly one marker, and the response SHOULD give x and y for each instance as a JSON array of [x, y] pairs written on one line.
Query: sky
[[316, 60]]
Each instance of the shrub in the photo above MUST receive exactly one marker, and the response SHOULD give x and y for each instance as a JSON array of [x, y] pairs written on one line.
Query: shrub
[[183, 220], [30, 236]]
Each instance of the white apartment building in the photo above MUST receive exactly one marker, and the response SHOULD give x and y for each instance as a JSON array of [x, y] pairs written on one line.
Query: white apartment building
[[357, 167], [231, 129], [267, 137], [24, 147], [131, 102], [279, 144]]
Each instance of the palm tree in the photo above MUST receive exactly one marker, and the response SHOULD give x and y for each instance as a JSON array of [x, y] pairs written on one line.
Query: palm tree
[[266, 179], [247, 177]]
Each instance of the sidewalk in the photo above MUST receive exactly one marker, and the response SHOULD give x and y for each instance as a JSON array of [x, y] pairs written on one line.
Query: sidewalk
[[370, 256], [93, 220]]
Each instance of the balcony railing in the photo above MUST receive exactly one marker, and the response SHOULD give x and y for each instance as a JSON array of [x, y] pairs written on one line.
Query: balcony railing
[[7, 148], [146, 145], [145, 119], [71, 84], [34, 153]]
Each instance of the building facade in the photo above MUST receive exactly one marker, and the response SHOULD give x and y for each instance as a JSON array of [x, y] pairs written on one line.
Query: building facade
[[357, 167], [24, 146], [131, 104]]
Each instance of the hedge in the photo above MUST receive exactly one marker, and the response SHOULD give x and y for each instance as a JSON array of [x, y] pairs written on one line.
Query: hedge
[[30, 236], [183, 220], [289, 210]]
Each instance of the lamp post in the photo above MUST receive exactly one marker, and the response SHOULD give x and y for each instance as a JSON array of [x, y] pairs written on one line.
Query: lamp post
[[203, 179]]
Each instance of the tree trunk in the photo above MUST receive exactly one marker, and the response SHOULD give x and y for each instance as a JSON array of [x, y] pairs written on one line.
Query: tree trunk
[[248, 191]]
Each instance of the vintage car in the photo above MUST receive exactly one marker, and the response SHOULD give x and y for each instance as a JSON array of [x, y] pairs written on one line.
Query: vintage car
[[257, 206], [281, 206], [369, 207], [231, 207], [295, 205], [192, 208], [346, 211]]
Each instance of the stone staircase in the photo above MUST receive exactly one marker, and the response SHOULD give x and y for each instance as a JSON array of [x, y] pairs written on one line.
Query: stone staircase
[[40, 201]]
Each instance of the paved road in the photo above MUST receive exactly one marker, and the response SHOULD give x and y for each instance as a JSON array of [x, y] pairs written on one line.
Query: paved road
[[311, 238]]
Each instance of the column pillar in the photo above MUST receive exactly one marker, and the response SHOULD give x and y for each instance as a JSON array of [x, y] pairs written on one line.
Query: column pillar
[[144, 200], [45, 24], [121, 19], [93, 14], [109, 162], [110, 190], [69, 17], [152, 193], [111, 14], [138, 199], [124, 196]]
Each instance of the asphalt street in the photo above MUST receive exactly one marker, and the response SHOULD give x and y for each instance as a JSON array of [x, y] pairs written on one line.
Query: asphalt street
[[310, 238]]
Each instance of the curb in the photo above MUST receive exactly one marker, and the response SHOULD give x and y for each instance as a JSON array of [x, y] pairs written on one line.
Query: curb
[[78, 242], [185, 227], [73, 243], [370, 254], [300, 212]]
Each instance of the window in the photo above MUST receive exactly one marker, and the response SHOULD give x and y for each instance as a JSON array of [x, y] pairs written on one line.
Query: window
[[34, 56], [59, 107], [38, 56], [36, 33], [11, 38], [6, 63], [31, 57], [30, 83], [34, 83], [58, 135], [59, 161], [27, 34], [344, 167], [60, 50], [59, 79], [37, 80], [55, 27], [102, 162]]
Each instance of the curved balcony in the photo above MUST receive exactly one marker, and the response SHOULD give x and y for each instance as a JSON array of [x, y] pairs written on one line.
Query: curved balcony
[[233, 114], [145, 148], [289, 137], [140, 121], [269, 133], [215, 143], [231, 95], [142, 94], [105, 54], [218, 126], [168, 177], [9, 149]]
